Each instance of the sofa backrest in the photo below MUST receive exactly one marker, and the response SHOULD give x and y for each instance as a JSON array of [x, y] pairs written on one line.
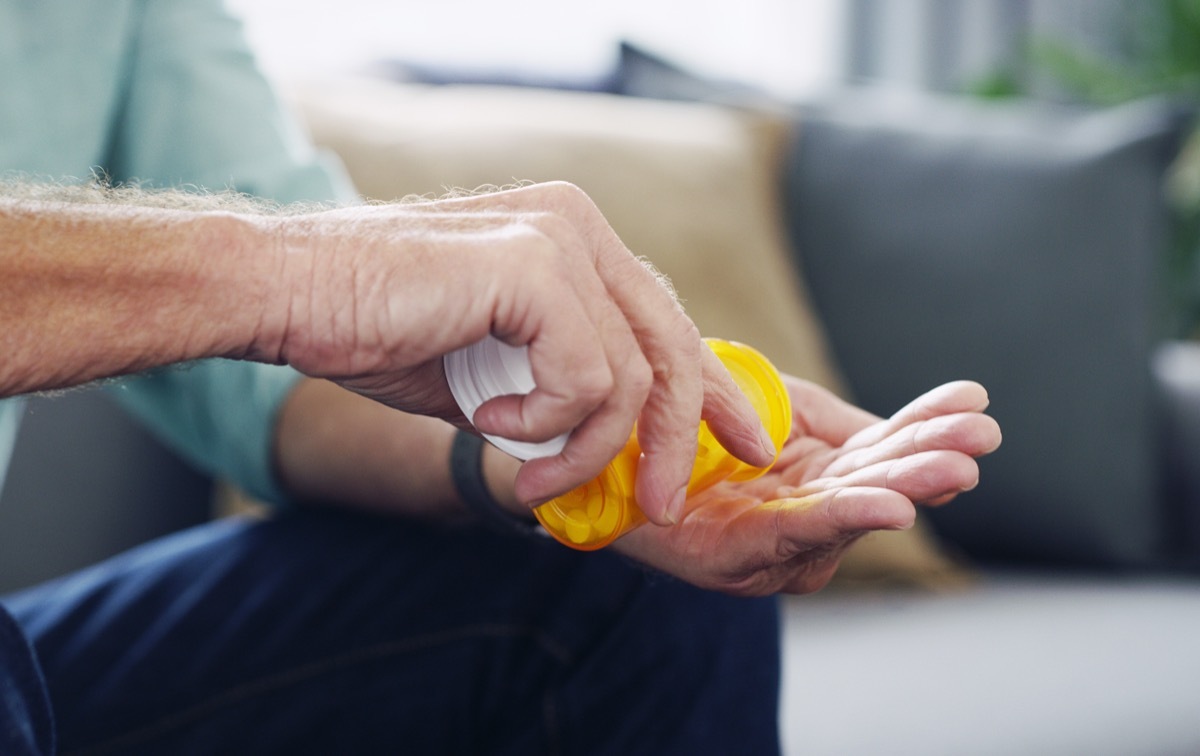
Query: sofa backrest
[[1018, 245]]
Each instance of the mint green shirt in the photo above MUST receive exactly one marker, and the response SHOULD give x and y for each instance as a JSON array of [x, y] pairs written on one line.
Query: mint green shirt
[[164, 92]]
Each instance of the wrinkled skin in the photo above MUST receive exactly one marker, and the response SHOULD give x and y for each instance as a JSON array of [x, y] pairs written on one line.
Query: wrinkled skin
[[842, 473]]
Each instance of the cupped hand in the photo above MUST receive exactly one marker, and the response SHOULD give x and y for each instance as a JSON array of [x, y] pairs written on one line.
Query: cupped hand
[[842, 473], [388, 289]]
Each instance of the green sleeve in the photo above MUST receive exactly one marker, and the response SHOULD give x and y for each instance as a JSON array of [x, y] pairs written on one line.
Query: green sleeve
[[197, 112], [217, 414]]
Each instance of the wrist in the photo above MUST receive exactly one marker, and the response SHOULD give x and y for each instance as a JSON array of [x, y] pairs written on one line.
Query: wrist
[[499, 474], [284, 277], [312, 321], [252, 292], [467, 464]]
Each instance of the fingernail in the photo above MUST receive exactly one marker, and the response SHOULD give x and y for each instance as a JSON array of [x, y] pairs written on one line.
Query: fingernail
[[675, 506]]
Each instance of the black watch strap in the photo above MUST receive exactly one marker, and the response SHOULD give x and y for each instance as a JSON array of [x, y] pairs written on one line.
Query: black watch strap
[[466, 469]]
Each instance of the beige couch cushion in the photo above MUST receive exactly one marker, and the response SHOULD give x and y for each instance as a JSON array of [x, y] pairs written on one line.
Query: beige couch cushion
[[686, 186], [691, 187]]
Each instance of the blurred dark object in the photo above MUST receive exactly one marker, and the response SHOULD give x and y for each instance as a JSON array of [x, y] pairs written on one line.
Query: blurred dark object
[[86, 482], [636, 71], [1156, 54], [1177, 374], [405, 71], [1018, 245]]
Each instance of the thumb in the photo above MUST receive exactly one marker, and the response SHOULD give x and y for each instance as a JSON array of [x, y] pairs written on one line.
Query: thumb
[[831, 517]]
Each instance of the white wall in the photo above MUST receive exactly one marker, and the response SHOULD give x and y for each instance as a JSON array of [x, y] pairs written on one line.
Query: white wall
[[788, 46]]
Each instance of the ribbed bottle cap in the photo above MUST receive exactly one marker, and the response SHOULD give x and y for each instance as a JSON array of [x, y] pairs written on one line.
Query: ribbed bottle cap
[[490, 368]]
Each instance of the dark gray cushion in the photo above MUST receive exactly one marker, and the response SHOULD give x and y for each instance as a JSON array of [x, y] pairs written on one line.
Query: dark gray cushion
[[1017, 245], [643, 73], [85, 483]]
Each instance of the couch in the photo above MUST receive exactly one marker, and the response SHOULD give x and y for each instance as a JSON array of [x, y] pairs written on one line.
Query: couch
[[878, 244]]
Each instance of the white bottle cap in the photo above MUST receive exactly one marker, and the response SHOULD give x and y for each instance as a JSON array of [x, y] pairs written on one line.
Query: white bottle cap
[[491, 368]]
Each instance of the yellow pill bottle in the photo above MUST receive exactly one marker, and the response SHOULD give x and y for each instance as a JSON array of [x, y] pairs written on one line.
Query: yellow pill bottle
[[597, 513], [602, 510]]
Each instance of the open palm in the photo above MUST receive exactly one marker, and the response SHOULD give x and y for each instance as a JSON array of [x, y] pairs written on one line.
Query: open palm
[[843, 473]]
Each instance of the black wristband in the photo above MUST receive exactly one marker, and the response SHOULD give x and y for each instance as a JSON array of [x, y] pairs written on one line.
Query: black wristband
[[466, 469]]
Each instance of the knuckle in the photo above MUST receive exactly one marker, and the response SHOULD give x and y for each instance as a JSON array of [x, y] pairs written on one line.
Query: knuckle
[[568, 192], [688, 334], [528, 230], [684, 358], [549, 235], [594, 386], [560, 198], [532, 251], [639, 377]]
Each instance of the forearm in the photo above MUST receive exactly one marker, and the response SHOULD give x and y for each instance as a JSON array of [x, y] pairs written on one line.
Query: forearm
[[334, 447], [372, 298], [94, 290]]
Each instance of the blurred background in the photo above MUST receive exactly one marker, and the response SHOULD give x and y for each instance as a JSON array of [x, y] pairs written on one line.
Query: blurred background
[[788, 48], [1005, 190], [881, 195]]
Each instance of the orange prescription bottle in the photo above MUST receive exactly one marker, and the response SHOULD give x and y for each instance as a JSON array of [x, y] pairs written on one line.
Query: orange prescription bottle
[[600, 511]]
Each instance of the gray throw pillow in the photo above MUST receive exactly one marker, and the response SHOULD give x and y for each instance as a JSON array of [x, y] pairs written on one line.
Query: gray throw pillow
[[1018, 245]]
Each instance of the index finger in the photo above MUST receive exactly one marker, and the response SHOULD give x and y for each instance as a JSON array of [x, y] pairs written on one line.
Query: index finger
[[687, 380]]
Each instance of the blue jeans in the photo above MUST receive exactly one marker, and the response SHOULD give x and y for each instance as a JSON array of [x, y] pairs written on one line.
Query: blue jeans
[[329, 633]]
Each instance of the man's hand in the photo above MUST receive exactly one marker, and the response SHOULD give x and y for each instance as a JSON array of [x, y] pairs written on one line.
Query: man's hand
[[101, 282], [842, 473], [385, 291]]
